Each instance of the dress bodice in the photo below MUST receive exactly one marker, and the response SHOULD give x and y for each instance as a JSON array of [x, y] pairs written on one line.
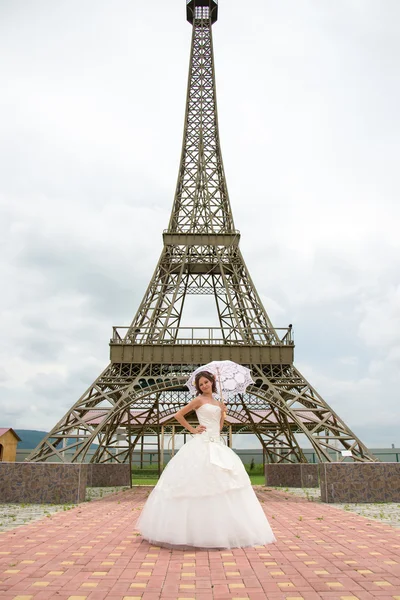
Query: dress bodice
[[209, 415]]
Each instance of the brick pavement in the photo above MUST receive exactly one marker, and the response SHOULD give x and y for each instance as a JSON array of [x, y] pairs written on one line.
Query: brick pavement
[[92, 552]]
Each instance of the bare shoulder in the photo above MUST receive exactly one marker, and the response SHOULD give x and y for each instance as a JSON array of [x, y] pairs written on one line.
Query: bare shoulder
[[196, 402]]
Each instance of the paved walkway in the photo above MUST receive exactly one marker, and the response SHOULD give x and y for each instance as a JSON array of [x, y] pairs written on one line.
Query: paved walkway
[[386, 512], [93, 552], [15, 515]]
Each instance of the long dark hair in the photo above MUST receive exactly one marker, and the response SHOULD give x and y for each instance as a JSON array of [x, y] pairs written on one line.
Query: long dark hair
[[208, 376]]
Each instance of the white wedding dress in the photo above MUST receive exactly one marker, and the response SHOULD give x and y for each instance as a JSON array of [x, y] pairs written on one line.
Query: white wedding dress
[[204, 496]]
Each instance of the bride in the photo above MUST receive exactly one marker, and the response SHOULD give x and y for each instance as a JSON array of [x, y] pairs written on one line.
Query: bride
[[204, 496]]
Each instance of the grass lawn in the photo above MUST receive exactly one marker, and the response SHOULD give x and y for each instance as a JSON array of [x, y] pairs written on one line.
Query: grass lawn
[[151, 479], [257, 479], [144, 481]]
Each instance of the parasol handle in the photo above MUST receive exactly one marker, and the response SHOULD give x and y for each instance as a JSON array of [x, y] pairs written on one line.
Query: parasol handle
[[220, 391]]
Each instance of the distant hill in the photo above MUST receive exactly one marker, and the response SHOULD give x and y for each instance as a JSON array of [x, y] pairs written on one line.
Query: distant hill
[[30, 438]]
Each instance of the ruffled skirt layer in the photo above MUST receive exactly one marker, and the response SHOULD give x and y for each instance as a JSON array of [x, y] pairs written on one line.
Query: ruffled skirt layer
[[204, 499]]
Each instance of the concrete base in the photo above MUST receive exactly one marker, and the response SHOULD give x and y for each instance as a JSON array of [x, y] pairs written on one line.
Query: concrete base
[[360, 482], [108, 474], [47, 483], [292, 475]]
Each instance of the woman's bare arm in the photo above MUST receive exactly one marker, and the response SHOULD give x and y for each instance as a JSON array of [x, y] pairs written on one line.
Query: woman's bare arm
[[180, 416], [223, 413]]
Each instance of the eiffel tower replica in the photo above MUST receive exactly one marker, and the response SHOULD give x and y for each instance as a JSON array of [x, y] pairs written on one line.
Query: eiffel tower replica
[[144, 384]]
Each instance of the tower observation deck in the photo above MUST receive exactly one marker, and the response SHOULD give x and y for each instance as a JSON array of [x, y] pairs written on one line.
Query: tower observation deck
[[202, 9]]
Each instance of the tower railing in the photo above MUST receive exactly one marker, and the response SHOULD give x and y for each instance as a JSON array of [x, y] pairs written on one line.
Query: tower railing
[[213, 336]]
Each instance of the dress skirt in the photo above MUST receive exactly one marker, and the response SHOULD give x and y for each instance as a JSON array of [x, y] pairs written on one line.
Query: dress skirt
[[204, 499]]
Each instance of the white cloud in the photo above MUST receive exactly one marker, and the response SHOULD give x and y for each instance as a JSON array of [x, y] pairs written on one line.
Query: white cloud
[[379, 324]]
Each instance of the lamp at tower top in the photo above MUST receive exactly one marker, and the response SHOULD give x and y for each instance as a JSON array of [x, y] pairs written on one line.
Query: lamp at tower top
[[201, 9]]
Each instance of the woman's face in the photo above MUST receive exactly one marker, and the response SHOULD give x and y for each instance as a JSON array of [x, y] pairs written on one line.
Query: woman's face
[[205, 385]]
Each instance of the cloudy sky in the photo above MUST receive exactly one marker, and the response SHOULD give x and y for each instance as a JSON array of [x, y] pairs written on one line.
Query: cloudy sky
[[91, 116]]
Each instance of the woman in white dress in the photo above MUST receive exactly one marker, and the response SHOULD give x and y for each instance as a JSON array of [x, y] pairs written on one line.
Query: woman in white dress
[[204, 496]]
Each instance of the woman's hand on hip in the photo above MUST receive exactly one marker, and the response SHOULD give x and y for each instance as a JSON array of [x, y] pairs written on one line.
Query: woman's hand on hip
[[200, 429]]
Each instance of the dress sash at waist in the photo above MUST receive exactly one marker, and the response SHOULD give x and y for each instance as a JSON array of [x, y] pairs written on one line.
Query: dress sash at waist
[[220, 454]]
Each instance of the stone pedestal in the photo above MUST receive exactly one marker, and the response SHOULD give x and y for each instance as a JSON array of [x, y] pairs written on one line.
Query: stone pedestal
[[360, 482], [108, 474], [47, 483], [292, 475]]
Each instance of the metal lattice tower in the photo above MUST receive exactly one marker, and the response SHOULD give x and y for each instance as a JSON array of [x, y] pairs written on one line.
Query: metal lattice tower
[[143, 386]]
